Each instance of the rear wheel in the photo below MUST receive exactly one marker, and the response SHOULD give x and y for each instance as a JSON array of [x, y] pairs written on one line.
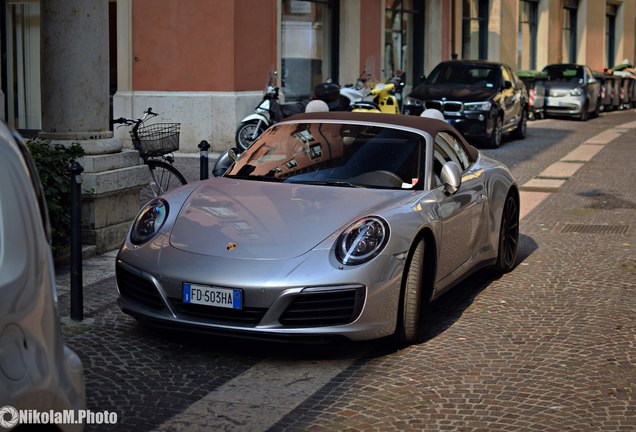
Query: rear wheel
[[247, 133], [163, 178], [508, 236], [408, 329]]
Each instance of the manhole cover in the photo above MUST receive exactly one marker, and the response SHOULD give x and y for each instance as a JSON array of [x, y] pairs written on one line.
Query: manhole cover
[[595, 229]]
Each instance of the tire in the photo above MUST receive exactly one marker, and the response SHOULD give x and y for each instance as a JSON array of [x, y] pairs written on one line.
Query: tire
[[597, 109], [162, 178], [585, 114], [522, 127], [245, 132], [494, 140], [408, 329], [508, 236]]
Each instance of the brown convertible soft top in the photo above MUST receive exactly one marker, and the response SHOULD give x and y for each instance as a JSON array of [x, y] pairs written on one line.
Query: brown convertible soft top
[[432, 126]]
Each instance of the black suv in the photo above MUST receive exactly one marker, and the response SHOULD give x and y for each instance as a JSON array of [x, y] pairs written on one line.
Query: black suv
[[481, 99]]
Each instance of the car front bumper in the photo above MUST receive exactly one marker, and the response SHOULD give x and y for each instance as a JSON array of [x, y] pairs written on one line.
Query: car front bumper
[[471, 124], [272, 290], [564, 105]]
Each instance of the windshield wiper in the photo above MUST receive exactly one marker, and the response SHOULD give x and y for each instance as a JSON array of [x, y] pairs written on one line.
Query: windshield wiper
[[328, 182], [254, 178]]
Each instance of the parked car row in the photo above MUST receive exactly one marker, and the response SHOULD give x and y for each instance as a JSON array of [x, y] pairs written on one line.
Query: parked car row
[[484, 99], [564, 89]]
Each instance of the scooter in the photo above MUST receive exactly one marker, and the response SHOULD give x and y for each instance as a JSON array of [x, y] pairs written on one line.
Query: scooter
[[268, 112], [368, 96], [383, 101]]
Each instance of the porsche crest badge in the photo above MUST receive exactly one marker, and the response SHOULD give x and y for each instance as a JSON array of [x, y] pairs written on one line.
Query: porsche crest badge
[[230, 246]]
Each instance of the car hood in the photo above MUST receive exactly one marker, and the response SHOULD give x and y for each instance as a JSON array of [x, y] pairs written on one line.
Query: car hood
[[452, 92], [262, 220]]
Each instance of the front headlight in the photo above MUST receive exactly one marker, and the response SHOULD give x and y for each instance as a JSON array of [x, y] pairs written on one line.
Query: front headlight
[[412, 101], [149, 221], [577, 91], [362, 240], [477, 106]]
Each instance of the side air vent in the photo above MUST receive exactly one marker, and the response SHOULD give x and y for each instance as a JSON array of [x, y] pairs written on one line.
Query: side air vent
[[138, 289], [324, 308]]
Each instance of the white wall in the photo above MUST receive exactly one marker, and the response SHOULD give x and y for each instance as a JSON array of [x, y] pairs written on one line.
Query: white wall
[[210, 116]]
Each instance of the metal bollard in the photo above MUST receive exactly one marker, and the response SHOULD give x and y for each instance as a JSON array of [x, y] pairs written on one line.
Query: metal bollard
[[204, 146], [77, 294]]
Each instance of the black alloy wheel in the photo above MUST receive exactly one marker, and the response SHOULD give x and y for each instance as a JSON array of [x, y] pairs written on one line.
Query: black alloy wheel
[[522, 126], [508, 235], [494, 140]]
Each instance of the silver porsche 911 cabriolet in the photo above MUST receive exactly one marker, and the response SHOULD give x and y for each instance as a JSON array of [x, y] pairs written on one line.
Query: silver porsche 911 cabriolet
[[330, 224]]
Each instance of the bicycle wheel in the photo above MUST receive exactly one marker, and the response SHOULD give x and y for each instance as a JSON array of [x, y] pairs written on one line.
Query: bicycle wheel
[[163, 177]]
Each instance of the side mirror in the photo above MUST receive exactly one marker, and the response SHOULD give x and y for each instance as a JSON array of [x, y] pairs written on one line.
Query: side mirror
[[451, 177], [233, 154], [507, 85]]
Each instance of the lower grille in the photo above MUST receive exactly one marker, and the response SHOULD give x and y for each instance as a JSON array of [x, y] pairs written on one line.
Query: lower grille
[[138, 289], [323, 308], [243, 316]]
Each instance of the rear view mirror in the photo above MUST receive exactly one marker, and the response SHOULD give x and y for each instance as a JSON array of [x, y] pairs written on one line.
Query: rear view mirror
[[233, 153], [451, 177]]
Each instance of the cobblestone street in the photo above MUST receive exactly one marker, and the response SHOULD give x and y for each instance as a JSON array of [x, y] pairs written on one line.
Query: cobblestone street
[[550, 346]]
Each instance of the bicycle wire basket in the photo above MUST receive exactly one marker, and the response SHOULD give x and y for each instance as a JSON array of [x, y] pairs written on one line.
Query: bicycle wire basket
[[156, 139]]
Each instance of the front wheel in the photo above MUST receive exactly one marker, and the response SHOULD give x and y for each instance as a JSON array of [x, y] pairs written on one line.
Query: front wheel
[[408, 329], [247, 133], [494, 140], [522, 127], [585, 114], [163, 178]]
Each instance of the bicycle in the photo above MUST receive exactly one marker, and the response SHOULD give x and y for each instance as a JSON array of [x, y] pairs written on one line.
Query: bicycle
[[155, 143]]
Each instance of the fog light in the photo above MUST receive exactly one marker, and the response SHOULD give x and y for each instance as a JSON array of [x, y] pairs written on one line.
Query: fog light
[[481, 117]]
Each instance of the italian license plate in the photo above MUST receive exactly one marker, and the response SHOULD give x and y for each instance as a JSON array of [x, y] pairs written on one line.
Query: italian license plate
[[212, 296]]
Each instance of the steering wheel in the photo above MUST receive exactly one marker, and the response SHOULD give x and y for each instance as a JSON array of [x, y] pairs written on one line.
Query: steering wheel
[[379, 178]]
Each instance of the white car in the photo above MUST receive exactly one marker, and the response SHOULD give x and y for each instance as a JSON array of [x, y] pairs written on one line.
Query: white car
[[38, 371]]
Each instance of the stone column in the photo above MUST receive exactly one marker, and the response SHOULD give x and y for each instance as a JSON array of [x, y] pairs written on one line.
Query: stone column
[[75, 109]]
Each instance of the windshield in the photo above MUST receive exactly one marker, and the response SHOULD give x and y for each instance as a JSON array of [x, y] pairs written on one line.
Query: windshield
[[346, 155], [573, 74], [484, 76]]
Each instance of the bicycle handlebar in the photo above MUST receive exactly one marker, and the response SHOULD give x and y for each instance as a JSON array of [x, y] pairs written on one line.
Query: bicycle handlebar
[[128, 122]]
